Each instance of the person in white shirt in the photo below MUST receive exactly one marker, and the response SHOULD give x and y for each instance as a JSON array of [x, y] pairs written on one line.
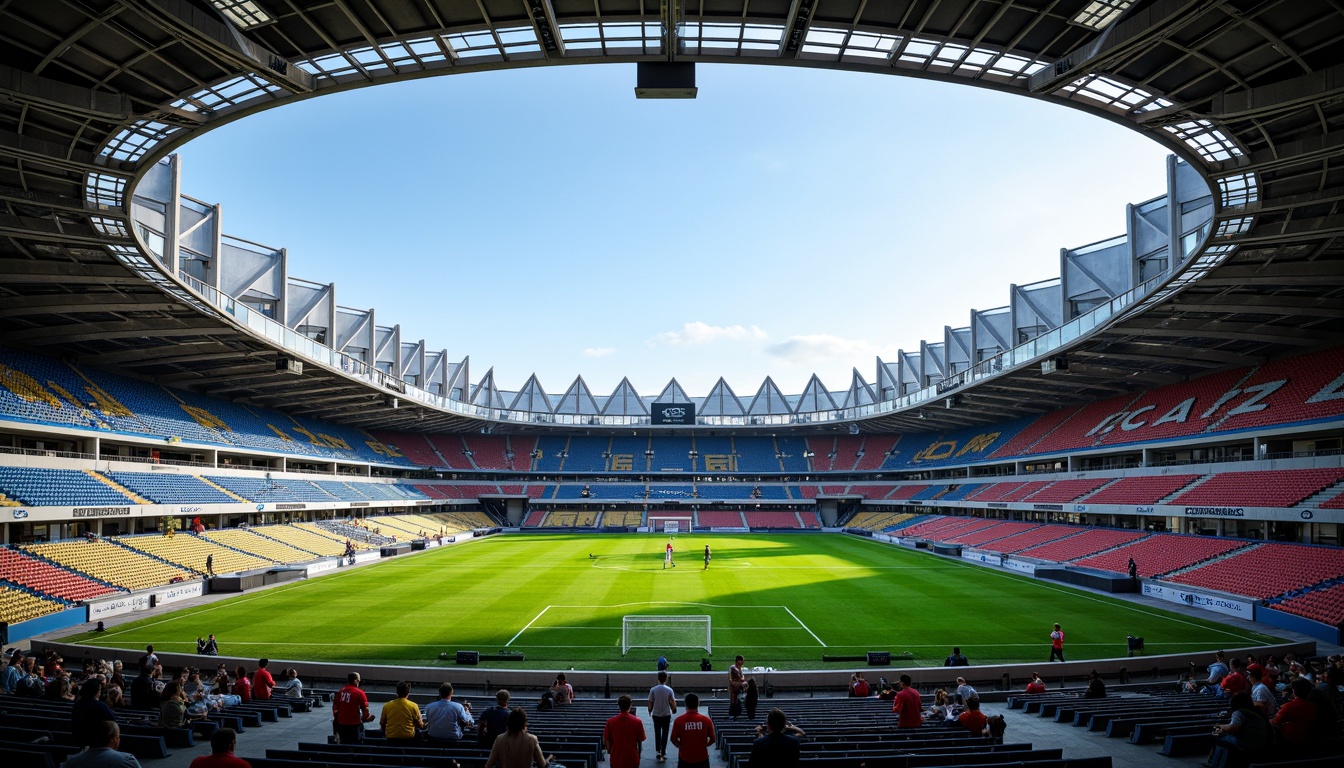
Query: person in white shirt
[[1261, 695], [662, 705]]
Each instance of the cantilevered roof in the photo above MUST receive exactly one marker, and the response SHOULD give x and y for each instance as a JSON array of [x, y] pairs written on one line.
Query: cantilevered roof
[[1248, 92]]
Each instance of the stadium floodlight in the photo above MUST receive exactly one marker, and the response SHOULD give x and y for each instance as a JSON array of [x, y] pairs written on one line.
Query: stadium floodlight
[[665, 632]]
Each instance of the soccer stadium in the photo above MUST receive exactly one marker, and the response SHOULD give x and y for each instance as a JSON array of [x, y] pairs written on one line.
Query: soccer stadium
[[1137, 463]]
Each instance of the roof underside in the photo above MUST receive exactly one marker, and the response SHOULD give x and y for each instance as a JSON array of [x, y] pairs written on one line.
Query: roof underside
[[95, 91]]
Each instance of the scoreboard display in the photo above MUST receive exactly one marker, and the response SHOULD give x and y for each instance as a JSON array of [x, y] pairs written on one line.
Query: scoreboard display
[[673, 413]]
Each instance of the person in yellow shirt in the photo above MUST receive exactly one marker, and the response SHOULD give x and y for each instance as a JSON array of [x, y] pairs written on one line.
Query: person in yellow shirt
[[401, 717]]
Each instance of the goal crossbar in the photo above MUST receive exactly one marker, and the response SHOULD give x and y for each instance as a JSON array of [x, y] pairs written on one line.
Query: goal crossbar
[[665, 632]]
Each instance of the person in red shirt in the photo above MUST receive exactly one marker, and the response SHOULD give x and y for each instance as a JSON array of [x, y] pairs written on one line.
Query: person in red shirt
[[907, 705], [1296, 719], [350, 711], [222, 743], [1037, 685], [973, 720], [622, 737], [262, 682], [692, 733], [1234, 682], [242, 687], [1057, 644]]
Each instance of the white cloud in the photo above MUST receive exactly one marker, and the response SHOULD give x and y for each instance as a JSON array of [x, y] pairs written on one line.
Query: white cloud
[[818, 347], [599, 351], [697, 333]]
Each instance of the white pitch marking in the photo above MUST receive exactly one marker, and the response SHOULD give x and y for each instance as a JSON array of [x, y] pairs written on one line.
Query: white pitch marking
[[804, 626], [530, 623]]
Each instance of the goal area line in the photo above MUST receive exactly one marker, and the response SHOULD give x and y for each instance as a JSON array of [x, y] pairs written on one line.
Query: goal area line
[[799, 624]]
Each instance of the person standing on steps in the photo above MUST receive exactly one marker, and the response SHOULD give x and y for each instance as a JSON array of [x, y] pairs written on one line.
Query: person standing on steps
[[662, 706]]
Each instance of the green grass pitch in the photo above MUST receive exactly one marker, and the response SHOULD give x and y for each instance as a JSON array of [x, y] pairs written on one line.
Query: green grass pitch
[[782, 601]]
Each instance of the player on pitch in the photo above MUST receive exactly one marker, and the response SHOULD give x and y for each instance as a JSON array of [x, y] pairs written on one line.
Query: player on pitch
[[667, 556]]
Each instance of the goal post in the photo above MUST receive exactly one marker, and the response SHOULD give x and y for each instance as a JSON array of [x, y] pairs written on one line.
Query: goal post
[[665, 632], [671, 524]]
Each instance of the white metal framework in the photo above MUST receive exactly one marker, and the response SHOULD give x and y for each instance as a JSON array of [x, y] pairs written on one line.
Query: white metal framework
[[665, 632]]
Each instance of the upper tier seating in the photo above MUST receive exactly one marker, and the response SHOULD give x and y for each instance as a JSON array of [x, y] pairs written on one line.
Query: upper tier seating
[[756, 454], [877, 449], [1141, 490], [39, 389], [847, 453], [450, 450], [1020, 541], [414, 447], [17, 605], [313, 539], [1305, 376], [267, 550], [1033, 433], [1275, 488], [772, 519], [931, 492], [1086, 543], [1268, 569], [44, 577], [189, 552], [58, 488], [493, 452], [108, 562], [709, 518], [166, 488], [791, 450], [1323, 605], [1161, 553]]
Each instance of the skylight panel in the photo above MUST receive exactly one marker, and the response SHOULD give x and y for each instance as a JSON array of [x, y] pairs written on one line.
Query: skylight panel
[[245, 13], [1100, 14]]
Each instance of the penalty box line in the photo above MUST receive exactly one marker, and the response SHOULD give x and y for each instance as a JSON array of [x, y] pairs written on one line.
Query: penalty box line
[[529, 624], [792, 615]]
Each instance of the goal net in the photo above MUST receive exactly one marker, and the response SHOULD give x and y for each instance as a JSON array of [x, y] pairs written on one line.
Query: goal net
[[665, 632], [669, 524]]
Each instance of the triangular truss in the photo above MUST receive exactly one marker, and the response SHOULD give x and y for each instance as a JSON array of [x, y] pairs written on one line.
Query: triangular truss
[[673, 394], [721, 401], [815, 397], [486, 394], [578, 400], [860, 393], [769, 401], [531, 398], [625, 401]]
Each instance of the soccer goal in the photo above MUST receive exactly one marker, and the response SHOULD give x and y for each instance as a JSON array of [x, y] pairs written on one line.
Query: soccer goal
[[665, 632], [669, 524]]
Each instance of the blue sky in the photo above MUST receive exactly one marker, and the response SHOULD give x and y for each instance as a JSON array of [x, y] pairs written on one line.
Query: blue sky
[[788, 221]]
